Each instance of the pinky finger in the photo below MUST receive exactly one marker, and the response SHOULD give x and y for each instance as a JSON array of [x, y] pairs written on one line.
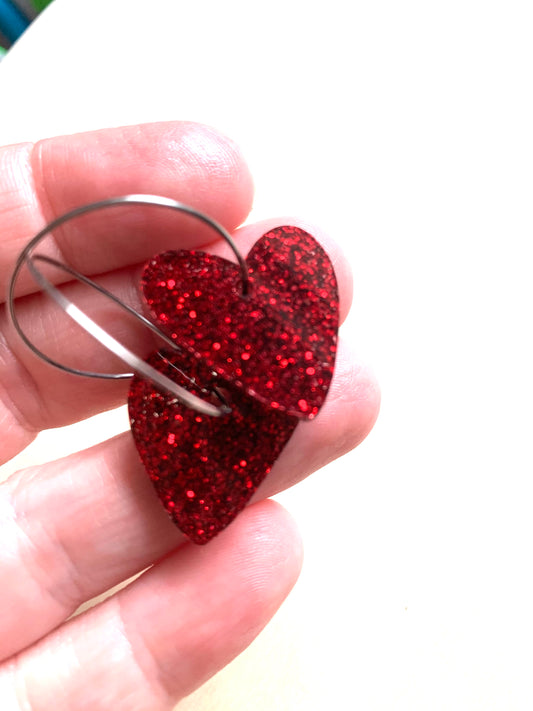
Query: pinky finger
[[169, 631]]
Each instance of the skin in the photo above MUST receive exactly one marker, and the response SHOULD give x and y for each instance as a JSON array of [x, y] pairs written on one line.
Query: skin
[[72, 529]]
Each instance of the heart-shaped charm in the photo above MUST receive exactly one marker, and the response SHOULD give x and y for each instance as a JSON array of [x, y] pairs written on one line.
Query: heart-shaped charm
[[279, 341], [204, 469], [259, 340], [272, 352]]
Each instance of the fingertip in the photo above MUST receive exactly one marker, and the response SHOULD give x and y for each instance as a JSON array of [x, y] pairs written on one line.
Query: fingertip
[[224, 163], [204, 166], [271, 547], [263, 555], [210, 602], [355, 392], [347, 417]]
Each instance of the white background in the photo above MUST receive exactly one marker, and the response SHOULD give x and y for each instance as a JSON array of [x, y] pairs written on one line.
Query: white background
[[406, 128]]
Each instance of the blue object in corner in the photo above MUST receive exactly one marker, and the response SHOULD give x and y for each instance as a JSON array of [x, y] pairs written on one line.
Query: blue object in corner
[[12, 21]]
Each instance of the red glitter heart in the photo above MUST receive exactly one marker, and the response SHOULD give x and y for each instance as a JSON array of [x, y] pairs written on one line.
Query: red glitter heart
[[204, 469], [271, 351], [278, 342]]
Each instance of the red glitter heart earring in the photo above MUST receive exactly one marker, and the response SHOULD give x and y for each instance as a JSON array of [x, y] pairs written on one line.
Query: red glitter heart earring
[[248, 350]]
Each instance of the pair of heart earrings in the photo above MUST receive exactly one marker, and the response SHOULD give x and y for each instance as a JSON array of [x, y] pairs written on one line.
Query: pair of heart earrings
[[247, 351]]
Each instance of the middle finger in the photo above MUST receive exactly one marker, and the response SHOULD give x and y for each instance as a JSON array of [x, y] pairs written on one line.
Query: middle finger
[[38, 396]]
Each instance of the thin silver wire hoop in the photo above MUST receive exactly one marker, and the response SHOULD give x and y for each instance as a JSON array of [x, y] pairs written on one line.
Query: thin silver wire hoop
[[138, 365]]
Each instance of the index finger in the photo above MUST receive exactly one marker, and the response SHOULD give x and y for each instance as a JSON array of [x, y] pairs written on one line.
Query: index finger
[[189, 162]]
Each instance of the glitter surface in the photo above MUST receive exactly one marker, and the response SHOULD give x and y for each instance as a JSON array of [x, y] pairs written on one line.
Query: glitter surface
[[270, 354], [204, 469], [279, 342]]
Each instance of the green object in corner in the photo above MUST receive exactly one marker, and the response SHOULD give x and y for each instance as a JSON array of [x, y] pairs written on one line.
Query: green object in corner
[[2, 52], [41, 4]]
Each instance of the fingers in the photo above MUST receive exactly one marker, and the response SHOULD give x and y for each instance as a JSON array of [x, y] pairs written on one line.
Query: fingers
[[183, 160], [33, 395], [349, 413], [160, 638], [188, 162], [76, 527]]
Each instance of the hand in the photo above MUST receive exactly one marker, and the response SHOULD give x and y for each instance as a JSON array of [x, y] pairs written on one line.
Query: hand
[[73, 528]]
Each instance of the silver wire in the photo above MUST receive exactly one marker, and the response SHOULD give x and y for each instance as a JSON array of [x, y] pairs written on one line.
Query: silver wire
[[137, 364]]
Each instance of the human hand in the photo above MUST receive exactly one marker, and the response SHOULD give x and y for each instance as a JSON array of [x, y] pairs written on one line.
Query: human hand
[[73, 528]]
